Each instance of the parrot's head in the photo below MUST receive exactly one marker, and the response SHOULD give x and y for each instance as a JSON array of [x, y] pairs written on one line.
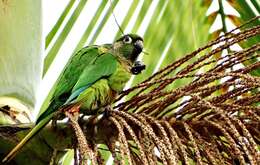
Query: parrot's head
[[130, 46]]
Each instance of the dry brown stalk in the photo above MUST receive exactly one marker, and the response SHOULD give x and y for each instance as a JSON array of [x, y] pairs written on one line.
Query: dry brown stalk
[[250, 142], [208, 149], [194, 144], [162, 133], [85, 150], [159, 143], [123, 148], [232, 129], [176, 141], [234, 151], [136, 141]]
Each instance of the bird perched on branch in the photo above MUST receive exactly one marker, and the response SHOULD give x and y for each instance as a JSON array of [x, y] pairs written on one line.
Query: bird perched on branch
[[91, 80]]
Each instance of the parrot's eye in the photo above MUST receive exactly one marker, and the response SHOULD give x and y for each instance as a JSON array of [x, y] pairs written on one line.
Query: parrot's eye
[[127, 40]]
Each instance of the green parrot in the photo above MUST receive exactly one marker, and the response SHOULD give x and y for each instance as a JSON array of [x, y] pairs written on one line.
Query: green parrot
[[91, 80]]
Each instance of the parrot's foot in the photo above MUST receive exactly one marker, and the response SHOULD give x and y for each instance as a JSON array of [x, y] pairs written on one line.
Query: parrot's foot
[[59, 115], [74, 109], [108, 108], [54, 124]]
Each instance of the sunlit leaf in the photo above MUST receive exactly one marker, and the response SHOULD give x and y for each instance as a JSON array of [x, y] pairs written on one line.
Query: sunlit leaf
[[20, 51], [67, 28], [56, 27]]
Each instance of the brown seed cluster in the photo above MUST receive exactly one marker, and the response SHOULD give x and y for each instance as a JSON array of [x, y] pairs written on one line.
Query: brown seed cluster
[[211, 117]]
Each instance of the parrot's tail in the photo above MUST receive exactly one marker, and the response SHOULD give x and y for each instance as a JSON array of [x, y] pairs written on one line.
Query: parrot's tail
[[28, 137], [54, 105]]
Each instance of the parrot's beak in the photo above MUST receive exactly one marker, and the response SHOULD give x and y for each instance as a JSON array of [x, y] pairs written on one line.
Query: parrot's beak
[[139, 46]]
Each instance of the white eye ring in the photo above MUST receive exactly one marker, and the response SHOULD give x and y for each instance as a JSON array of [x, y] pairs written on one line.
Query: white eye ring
[[127, 39]]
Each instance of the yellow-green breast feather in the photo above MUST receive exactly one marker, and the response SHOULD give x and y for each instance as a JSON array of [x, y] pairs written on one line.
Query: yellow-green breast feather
[[104, 91]]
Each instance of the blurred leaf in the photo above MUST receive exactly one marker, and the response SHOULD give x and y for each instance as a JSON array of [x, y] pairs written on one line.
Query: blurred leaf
[[91, 26], [141, 15], [67, 28], [234, 19], [181, 30], [245, 11], [215, 34], [206, 3], [68, 157], [128, 17], [56, 27], [104, 151], [20, 51], [256, 5], [211, 18], [103, 22]]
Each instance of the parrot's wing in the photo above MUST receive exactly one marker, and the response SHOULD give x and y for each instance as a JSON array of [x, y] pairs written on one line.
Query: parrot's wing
[[74, 69], [68, 78], [104, 66]]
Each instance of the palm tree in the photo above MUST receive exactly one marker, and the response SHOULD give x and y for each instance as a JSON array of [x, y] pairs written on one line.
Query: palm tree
[[197, 101]]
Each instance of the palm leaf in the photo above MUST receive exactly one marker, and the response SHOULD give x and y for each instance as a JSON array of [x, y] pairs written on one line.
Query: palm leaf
[[56, 27], [56, 46]]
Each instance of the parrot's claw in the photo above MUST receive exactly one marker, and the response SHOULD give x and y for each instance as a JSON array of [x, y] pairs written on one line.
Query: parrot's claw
[[108, 108], [54, 124]]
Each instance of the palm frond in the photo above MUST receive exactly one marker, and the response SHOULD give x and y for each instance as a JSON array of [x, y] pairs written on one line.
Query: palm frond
[[60, 40]]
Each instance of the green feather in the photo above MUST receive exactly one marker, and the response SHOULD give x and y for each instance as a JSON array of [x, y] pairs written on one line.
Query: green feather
[[104, 66], [81, 61], [66, 81], [74, 68]]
